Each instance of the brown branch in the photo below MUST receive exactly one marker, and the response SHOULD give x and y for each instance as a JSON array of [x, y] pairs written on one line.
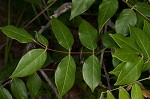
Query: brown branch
[[49, 82], [63, 8]]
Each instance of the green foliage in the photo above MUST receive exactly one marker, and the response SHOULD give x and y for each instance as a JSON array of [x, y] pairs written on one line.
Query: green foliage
[[17, 33], [126, 18], [92, 72], [42, 40], [30, 63], [18, 89], [62, 34], [74, 52], [144, 8], [33, 84], [136, 92], [80, 6], [106, 10], [4, 93], [123, 94], [88, 35], [65, 75]]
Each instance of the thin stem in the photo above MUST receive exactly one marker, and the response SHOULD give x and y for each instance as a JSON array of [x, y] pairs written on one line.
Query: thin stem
[[49, 82], [132, 7], [148, 78], [40, 13]]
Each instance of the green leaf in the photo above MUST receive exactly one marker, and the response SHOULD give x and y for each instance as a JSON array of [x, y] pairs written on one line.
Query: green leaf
[[144, 8], [107, 41], [110, 95], [62, 33], [30, 63], [88, 35], [4, 93], [65, 75], [127, 17], [123, 94], [136, 92], [125, 42], [126, 55], [42, 39], [142, 40], [146, 28], [92, 72], [116, 61], [18, 88], [146, 66], [106, 10], [16, 33], [130, 72], [118, 69], [33, 84], [80, 6]]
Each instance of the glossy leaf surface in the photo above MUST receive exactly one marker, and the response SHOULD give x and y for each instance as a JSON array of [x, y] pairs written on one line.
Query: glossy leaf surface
[[142, 40], [80, 6], [18, 88], [92, 72], [5, 94], [33, 84], [127, 17], [144, 8], [16, 33], [126, 55], [88, 35], [30, 63], [125, 42], [130, 72], [65, 75], [106, 10], [136, 92], [62, 33], [123, 94]]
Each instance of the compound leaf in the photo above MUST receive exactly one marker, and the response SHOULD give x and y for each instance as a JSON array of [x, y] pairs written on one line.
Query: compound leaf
[[30, 63]]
